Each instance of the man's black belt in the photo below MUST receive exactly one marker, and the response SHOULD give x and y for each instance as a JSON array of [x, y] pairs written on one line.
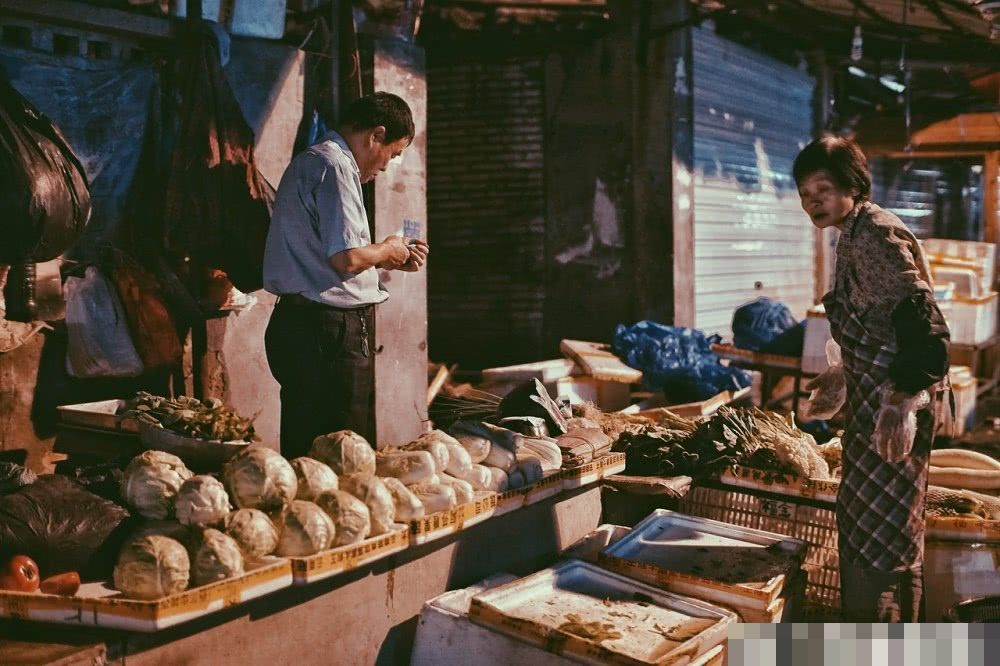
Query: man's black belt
[[298, 300]]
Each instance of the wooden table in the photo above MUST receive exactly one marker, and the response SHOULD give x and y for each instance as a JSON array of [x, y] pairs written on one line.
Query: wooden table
[[365, 616], [770, 366]]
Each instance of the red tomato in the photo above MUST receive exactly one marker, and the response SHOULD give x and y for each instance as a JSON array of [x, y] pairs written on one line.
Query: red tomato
[[20, 574], [65, 583]]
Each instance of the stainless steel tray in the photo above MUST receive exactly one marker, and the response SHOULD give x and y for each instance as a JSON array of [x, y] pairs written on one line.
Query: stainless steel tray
[[709, 559], [597, 616]]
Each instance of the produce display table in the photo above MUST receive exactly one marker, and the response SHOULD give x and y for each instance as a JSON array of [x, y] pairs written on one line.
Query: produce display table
[[770, 367], [364, 616]]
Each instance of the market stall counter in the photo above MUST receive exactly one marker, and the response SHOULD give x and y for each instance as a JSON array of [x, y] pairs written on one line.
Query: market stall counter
[[367, 615]]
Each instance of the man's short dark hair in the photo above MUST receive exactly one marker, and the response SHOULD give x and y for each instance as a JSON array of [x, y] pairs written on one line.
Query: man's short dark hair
[[381, 108], [842, 159]]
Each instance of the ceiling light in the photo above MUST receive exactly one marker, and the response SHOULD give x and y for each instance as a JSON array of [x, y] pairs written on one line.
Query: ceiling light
[[892, 84], [857, 71]]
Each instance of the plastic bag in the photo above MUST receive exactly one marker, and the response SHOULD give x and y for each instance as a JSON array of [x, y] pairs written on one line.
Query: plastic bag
[[896, 422], [678, 361], [758, 324], [829, 389], [63, 527], [45, 201], [99, 344]]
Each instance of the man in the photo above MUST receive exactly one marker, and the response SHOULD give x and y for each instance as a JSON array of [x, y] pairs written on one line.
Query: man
[[321, 263]]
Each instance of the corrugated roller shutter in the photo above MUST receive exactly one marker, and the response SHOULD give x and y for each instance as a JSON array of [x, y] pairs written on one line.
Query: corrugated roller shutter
[[752, 116], [486, 206]]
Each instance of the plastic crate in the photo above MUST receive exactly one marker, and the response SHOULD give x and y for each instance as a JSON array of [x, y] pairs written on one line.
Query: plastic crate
[[972, 321], [980, 257], [816, 526]]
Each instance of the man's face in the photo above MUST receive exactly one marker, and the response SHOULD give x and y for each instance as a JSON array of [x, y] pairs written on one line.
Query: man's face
[[824, 201], [376, 155]]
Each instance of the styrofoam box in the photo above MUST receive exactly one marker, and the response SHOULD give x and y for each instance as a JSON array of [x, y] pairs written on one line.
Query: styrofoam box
[[965, 387], [248, 18], [954, 572], [445, 635], [971, 320], [980, 255]]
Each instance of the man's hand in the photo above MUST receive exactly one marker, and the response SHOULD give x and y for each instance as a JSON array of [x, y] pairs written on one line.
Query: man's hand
[[395, 253], [418, 255]]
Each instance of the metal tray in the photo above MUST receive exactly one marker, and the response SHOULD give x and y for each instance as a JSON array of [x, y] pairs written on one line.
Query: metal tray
[[636, 623], [102, 414], [708, 559], [200, 453], [311, 568]]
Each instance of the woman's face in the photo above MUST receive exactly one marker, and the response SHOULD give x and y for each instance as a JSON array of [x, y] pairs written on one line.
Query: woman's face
[[824, 201]]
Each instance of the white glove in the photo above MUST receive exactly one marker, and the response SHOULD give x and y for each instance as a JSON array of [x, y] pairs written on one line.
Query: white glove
[[896, 422], [828, 390]]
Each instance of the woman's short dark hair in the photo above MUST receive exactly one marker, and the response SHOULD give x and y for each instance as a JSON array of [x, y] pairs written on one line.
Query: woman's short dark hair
[[841, 158], [381, 108]]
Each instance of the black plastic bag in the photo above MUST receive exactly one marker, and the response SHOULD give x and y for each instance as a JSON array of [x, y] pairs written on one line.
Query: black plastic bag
[[45, 200], [62, 527], [758, 324]]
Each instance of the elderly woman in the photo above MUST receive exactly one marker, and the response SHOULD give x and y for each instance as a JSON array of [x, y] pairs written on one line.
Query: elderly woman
[[894, 344]]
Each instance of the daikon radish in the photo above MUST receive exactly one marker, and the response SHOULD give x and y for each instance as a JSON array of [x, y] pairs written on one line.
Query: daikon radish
[[500, 458], [498, 480], [407, 466], [478, 477], [964, 459], [408, 506], [960, 478], [435, 497], [463, 489]]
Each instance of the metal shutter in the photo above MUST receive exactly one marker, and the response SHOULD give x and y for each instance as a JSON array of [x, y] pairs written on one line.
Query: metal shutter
[[752, 116]]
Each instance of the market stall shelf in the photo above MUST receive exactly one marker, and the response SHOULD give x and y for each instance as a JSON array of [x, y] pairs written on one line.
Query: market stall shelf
[[345, 558], [744, 569], [550, 486], [600, 617], [443, 523], [510, 500], [946, 528], [100, 606], [780, 483]]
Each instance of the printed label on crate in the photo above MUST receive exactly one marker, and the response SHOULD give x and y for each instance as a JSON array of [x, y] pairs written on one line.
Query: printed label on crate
[[962, 529], [776, 509], [613, 463], [447, 522], [783, 484], [548, 487], [511, 500], [345, 558], [574, 477]]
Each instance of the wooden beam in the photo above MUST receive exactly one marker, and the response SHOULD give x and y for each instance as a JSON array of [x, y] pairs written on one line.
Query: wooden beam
[[965, 129], [89, 17]]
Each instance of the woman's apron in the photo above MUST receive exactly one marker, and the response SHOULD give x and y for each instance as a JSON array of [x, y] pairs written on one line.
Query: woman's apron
[[880, 506]]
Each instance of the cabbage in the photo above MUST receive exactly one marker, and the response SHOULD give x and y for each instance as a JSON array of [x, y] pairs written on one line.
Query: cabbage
[[151, 481], [314, 478], [218, 557], [459, 461], [478, 477], [408, 507], [435, 497], [435, 443], [202, 500], [259, 478], [407, 466], [476, 446], [464, 492], [254, 532], [349, 514], [498, 480], [345, 451], [152, 567], [168, 528], [305, 530], [369, 489]]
